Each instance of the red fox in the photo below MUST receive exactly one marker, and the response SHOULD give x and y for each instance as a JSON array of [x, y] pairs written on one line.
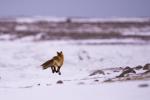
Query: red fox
[[55, 63]]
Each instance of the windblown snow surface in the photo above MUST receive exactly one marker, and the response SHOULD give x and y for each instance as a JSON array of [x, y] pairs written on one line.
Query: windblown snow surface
[[22, 77]]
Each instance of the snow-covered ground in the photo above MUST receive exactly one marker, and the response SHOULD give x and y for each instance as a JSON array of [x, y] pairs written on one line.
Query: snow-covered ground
[[22, 78], [80, 19], [91, 68], [64, 27], [113, 91]]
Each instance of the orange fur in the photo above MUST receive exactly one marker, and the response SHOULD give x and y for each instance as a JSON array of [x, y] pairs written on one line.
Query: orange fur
[[55, 63]]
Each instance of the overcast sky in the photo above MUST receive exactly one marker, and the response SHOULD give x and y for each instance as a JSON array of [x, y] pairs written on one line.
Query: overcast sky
[[81, 8]]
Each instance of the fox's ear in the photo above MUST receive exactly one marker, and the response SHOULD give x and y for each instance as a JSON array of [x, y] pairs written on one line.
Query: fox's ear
[[61, 52], [57, 53]]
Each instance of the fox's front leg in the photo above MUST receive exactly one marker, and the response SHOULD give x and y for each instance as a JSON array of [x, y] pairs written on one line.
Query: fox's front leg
[[58, 70]]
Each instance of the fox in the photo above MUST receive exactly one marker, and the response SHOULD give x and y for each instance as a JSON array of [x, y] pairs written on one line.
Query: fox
[[55, 63]]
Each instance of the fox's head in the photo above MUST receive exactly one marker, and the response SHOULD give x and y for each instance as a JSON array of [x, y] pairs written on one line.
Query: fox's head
[[60, 53]]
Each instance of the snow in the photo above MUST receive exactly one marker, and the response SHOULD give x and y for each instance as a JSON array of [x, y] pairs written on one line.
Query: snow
[[113, 91], [5, 37], [113, 19], [80, 19], [21, 28], [110, 41], [39, 18], [21, 76], [143, 29]]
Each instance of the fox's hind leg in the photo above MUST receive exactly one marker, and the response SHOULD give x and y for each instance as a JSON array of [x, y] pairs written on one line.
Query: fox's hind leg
[[53, 69]]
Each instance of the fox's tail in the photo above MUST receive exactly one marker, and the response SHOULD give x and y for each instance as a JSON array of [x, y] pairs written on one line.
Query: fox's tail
[[47, 64]]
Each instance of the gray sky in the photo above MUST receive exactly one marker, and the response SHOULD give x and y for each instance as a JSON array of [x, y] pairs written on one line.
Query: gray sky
[[81, 8]]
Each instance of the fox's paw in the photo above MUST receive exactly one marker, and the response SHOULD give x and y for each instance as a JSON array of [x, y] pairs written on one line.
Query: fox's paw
[[59, 73]]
